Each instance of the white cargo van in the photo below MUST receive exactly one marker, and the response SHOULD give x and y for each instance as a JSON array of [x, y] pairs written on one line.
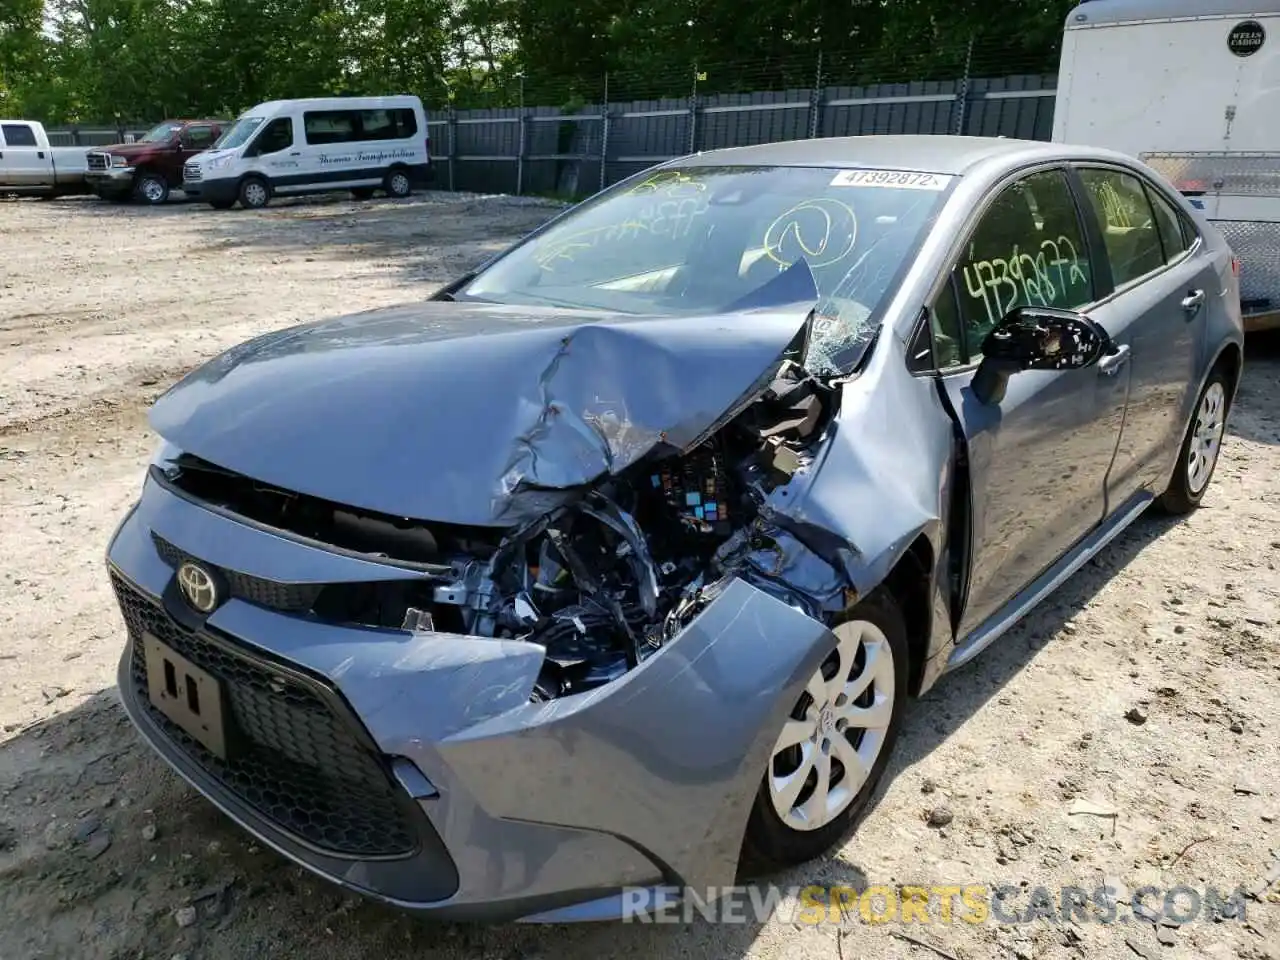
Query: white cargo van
[[1192, 87], [291, 147]]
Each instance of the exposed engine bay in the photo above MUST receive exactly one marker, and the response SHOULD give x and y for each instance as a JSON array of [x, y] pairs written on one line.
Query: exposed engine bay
[[601, 581], [607, 580]]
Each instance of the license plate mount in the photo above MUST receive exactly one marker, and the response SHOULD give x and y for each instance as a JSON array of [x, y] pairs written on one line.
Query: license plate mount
[[187, 695]]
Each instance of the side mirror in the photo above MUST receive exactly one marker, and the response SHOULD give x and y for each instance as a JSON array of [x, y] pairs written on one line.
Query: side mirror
[[1036, 338]]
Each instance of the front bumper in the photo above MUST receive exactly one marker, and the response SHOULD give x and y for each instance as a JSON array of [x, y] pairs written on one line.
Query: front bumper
[[113, 180], [512, 810], [213, 190]]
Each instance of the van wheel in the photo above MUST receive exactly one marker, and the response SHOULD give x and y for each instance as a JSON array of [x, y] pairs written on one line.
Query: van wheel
[[151, 188], [397, 184], [254, 193], [363, 193]]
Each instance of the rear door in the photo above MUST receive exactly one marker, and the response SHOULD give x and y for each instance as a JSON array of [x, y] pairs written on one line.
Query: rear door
[[1162, 281], [26, 161], [1038, 459]]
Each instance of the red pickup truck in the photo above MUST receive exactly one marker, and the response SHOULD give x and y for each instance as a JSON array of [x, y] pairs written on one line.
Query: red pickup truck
[[149, 168]]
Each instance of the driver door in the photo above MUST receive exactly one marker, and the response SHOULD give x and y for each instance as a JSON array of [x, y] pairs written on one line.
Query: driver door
[[1038, 459]]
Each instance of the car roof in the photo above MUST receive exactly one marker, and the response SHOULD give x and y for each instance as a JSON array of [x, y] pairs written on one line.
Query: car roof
[[925, 153]]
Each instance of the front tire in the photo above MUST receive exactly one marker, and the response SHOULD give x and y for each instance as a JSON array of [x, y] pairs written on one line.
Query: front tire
[[1198, 455], [150, 188], [255, 193], [397, 183], [835, 744]]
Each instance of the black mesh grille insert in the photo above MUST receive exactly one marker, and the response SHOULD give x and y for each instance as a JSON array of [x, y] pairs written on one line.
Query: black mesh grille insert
[[292, 758], [285, 597]]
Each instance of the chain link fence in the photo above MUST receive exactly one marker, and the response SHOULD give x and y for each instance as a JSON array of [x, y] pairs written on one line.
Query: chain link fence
[[569, 138]]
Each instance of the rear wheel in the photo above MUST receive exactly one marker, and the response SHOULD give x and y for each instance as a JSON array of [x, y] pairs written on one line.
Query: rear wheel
[[397, 183], [254, 193], [150, 188], [1198, 456], [835, 743]]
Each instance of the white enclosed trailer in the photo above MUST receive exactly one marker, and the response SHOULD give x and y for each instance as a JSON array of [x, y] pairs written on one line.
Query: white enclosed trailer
[[1191, 87]]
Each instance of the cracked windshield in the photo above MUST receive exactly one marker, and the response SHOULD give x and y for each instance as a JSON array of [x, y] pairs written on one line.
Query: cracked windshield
[[702, 239]]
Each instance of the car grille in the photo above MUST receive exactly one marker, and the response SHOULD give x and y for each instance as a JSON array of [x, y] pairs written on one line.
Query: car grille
[[99, 161], [272, 594], [191, 173], [293, 759]]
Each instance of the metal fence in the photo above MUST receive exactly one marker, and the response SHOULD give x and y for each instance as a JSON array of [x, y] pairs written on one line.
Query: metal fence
[[511, 141], [550, 151], [93, 136]]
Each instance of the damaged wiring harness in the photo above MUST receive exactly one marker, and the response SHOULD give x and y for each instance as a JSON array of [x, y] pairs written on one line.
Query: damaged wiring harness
[[606, 580]]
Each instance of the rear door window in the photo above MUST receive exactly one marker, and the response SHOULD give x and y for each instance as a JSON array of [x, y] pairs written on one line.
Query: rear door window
[[1128, 224], [1172, 235], [18, 135], [387, 124], [322, 127]]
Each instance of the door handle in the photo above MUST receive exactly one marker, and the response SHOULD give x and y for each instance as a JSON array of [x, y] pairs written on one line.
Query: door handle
[[40, 154], [1111, 363], [295, 153], [1193, 301]]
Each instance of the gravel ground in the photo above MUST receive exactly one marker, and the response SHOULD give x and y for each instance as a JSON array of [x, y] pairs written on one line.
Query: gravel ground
[[1127, 732]]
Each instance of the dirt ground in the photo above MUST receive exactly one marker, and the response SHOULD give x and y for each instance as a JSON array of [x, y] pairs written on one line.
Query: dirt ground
[[1127, 732]]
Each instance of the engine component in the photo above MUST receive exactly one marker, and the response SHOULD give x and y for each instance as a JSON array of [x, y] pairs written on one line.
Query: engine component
[[605, 581], [696, 489]]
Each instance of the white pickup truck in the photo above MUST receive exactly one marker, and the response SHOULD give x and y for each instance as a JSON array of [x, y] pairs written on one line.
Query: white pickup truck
[[29, 165]]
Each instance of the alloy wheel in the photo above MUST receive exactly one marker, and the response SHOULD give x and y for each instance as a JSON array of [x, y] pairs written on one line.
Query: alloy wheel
[[827, 747], [1206, 438]]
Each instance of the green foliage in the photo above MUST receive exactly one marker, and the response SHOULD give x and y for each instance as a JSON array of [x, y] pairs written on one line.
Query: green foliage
[[143, 60]]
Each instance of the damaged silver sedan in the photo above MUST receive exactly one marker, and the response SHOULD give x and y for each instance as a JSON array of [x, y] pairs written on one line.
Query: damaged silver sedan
[[621, 557]]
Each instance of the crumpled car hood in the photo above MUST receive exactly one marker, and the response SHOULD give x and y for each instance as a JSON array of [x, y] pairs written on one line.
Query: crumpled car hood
[[469, 413]]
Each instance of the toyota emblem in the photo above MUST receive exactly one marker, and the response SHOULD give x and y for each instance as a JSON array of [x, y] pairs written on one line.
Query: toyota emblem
[[198, 587]]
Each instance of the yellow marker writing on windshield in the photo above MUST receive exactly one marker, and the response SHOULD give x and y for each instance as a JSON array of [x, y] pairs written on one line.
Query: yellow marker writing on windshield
[[822, 230]]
